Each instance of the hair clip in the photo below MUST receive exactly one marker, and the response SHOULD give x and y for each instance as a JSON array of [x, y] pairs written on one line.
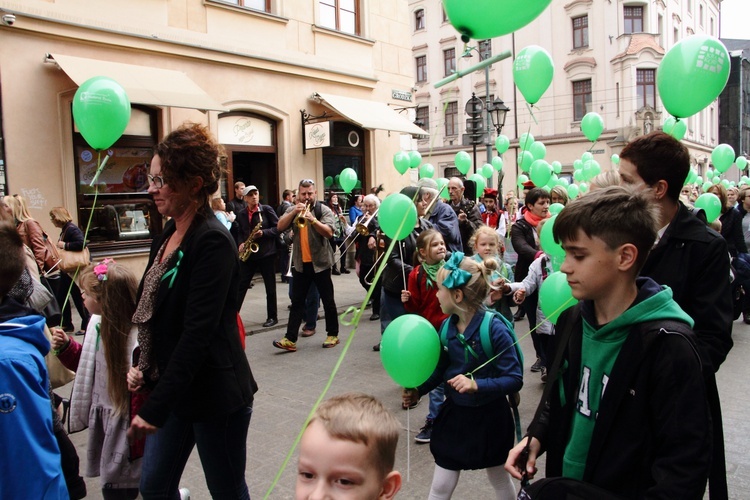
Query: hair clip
[[458, 277], [101, 269]]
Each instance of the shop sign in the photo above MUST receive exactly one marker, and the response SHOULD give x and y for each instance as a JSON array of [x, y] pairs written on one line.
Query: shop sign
[[317, 135]]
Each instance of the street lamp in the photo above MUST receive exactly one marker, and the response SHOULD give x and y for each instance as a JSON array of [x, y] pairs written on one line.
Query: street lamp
[[497, 111]]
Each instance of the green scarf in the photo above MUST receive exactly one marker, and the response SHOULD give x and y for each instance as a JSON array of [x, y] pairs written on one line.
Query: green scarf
[[431, 272]]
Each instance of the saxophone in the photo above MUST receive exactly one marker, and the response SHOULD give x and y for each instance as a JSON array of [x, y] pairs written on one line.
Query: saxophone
[[252, 246]]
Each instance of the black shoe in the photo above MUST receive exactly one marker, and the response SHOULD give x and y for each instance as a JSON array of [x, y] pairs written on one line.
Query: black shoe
[[537, 366], [270, 322], [345, 271], [376, 347], [335, 272], [518, 316], [425, 432], [544, 374], [374, 317]]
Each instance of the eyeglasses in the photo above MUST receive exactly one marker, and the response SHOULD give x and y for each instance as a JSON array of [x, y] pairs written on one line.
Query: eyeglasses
[[307, 181], [157, 181]]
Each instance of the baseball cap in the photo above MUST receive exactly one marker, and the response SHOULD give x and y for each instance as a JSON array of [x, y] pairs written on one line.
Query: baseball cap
[[247, 189]]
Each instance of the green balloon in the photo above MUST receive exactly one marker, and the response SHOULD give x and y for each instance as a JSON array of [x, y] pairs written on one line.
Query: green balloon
[[442, 183], [401, 161], [555, 295], [463, 162], [348, 179], [586, 157], [711, 204], [741, 162], [577, 164], [497, 163], [397, 216], [480, 182], [573, 191], [336, 179], [328, 181], [692, 74], [101, 111], [522, 179], [358, 184], [583, 188], [414, 159], [707, 185], [525, 141], [525, 159], [482, 19], [679, 130], [592, 126], [726, 183], [615, 159], [426, 170], [410, 350], [502, 143], [487, 171], [716, 179], [564, 182], [547, 241], [554, 209], [591, 169], [540, 172], [669, 125], [556, 167], [722, 157], [692, 176], [538, 150], [532, 72]]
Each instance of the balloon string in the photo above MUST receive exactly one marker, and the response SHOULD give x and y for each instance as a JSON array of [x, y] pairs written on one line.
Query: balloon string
[[546, 320], [355, 321], [88, 226], [530, 107], [403, 266], [408, 444]]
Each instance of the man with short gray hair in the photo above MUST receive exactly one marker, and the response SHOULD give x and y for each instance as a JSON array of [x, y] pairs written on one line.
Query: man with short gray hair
[[469, 217]]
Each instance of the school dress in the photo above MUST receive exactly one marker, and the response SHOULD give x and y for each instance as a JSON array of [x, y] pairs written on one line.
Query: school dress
[[109, 454], [475, 431]]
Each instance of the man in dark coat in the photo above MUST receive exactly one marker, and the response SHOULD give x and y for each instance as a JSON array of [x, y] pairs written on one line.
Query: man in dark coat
[[693, 261], [467, 211]]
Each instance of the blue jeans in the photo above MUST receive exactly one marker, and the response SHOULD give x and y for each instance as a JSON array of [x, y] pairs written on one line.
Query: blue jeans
[[437, 397], [222, 446], [390, 309]]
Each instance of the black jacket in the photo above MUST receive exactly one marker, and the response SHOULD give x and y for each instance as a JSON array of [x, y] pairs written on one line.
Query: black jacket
[[652, 436], [525, 245], [196, 346], [731, 230], [471, 224], [396, 271], [270, 234]]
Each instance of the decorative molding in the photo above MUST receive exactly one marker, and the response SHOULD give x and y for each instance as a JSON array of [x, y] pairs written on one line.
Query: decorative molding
[[580, 61]]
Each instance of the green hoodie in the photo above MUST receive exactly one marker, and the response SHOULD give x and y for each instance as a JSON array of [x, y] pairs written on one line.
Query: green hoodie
[[599, 351]]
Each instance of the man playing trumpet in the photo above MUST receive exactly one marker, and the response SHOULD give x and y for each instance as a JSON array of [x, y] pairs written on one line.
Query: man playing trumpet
[[312, 259], [257, 248]]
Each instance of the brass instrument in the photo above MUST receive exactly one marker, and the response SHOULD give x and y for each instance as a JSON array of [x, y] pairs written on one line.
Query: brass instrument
[[433, 201], [300, 221], [362, 228], [252, 246]]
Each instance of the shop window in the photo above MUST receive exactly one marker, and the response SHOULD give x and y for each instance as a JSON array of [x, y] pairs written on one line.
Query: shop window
[[124, 215]]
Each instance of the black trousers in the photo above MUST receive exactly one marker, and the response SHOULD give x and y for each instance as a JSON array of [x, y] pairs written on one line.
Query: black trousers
[[363, 273], [60, 286], [302, 281], [267, 270]]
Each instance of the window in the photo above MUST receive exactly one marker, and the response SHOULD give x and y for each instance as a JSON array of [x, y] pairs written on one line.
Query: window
[[581, 98], [423, 117], [690, 6], [580, 32], [340, 15], [422, 69], [419, 20], [485, 49], [445, 15], [711, 32], [676, 35], [451, 119], [646, 87], [124, 214], [262, 5], [700, 14], [633, 19], [449, 62]]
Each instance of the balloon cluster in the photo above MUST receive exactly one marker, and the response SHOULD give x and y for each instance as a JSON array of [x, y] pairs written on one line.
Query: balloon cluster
[[347, 180], [404, 160]]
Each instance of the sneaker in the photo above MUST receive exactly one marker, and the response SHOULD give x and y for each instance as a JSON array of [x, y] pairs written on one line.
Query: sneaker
[[425, 432], [376, 347], [345, 271], [330, 341], [374, 317], [537, 366], [335, 272], [285, 344], [270, 322], [307, 332], [544, 374], [184, 494]]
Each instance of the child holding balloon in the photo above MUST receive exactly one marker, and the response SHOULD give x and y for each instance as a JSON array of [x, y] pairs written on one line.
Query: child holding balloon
[[474, 428], [487, 245], [421, 298]]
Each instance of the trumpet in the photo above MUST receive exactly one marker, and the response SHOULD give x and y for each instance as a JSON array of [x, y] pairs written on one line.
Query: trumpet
[[300, 221], [252, 246]]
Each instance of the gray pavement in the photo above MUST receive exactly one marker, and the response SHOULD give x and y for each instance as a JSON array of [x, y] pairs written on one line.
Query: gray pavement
[[290, 383]]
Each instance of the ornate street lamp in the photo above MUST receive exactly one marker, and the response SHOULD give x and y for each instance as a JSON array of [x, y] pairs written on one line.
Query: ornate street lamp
[[497, 111]]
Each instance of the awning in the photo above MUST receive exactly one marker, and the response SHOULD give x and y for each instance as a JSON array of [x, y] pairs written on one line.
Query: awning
[[369, 114], [143, 84]]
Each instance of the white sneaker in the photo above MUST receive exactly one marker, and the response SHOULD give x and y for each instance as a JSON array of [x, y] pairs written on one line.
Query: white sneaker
[[184, 494]]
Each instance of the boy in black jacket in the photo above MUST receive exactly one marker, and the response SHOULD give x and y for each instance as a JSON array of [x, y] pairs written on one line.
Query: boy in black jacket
[[624, 408]]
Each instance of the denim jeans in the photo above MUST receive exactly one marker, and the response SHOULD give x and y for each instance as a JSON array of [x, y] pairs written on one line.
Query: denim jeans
[[222, 447], [437, 397], [390, 309]]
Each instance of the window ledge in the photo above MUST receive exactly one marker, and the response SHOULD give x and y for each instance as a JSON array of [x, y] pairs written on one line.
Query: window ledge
[[246, 10], [340, 34]]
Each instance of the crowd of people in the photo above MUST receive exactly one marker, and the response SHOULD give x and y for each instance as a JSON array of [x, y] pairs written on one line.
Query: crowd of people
[[630, 407]]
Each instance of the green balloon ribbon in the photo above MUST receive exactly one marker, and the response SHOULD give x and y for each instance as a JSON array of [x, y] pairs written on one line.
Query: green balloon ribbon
[[355, 321], [467, 348], [172, 273], [355, 313]]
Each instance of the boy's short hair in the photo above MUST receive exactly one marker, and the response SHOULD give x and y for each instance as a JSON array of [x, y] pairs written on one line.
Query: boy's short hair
[[659, 156], [13, 261], [361, 418], [616, 214]]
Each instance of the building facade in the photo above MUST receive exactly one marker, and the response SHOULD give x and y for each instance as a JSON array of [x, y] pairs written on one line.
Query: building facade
[[605, 54], [734, 102], [293, 89]]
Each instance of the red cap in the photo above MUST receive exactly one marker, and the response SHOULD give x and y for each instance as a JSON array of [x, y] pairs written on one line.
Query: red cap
[[490, 193], [529, 184]]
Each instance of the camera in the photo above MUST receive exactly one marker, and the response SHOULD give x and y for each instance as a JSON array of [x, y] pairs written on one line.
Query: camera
[[9, 19]]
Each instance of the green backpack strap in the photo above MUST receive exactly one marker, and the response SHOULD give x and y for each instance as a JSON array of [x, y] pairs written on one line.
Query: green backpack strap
[[484, 334], [444, 332]]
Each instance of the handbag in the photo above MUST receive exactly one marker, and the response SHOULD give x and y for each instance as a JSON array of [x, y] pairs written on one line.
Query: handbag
[[71, 261], [58, 374]]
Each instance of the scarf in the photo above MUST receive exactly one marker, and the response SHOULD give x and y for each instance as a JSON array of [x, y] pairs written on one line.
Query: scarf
[[532, 218], [431, 272]]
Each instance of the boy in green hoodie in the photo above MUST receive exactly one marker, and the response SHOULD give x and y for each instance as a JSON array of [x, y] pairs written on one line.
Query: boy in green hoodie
[[624, 408]]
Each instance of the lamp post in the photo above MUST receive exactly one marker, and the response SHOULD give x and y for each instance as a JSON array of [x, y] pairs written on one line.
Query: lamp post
[[497, 111]]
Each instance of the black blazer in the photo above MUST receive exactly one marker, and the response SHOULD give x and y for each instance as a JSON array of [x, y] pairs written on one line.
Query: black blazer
[[270, 232], [204, 372]]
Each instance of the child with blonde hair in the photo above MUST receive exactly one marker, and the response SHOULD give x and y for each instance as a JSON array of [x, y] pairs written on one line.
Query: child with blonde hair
[[474, 429], [100, 399], [348, 450], [421, 298], [487, 245]]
